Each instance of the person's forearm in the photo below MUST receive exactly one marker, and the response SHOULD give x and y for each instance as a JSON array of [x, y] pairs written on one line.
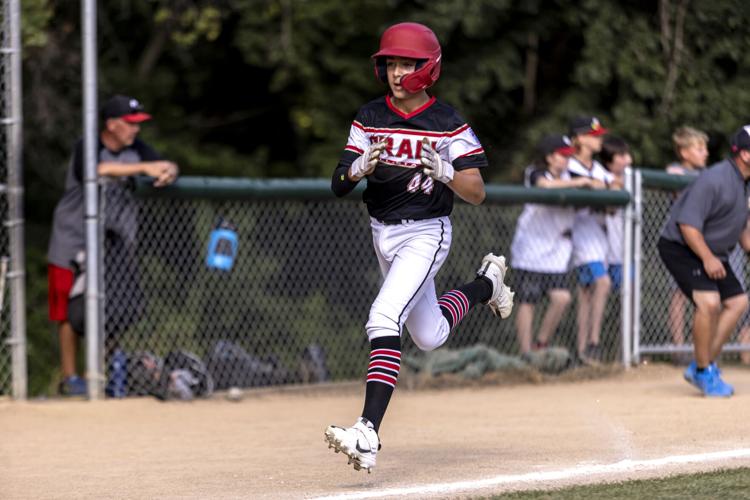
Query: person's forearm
[[468, 185], [115, 169], [745, 240], [341, 183], [694, 239]]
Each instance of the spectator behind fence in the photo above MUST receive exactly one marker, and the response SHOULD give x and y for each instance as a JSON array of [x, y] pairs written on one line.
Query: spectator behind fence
[[615, 155], [705, 223], [542, 244], [120, 155], [590, 245], [691, 149]]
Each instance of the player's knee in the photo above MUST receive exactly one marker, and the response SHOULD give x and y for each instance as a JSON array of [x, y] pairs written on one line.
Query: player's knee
[[709, 304], [561, 297], [435, 339], [739, 303]]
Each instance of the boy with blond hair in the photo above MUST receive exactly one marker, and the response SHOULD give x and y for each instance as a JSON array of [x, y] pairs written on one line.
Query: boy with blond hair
[[691, 148]]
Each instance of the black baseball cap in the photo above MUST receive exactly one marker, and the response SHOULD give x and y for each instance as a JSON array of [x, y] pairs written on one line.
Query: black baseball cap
[[127, 108], [741, 139], [586, 125], [556, 143]]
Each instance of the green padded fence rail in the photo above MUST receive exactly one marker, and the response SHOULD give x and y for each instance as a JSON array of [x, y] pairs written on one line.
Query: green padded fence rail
[[659, 179], [223, 188]]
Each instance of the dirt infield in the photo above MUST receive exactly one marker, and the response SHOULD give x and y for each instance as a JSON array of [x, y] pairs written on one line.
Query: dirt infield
[[270, 445]]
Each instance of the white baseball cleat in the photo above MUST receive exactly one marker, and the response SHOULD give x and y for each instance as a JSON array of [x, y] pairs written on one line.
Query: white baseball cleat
[[359, 442], [501, 301]]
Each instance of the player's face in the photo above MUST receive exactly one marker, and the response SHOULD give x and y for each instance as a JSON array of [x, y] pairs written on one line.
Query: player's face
[[123, 132], [620, 161], [695, 155], [557, 163], [591, 142], [397, 68]]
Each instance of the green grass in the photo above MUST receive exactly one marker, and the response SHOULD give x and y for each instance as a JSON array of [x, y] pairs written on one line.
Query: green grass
[[719, 485]]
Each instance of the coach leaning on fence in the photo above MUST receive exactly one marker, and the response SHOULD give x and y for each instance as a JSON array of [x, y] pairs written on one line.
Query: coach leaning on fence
[[705, 224], [120, 155]]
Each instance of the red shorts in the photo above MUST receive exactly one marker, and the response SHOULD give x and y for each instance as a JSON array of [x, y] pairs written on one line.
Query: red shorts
[[60, 282]]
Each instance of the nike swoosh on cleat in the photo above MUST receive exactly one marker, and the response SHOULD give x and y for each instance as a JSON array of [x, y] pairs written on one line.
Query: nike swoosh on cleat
[[369, 450]]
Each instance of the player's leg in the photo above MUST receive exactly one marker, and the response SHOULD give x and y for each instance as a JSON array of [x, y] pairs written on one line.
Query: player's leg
[[705, 321], [559, 299], [528, 292], [583, 318], [602, 287], [585, 279], [524, 325], [734, 304], [677, 306], [409, 256], [60, 282], [731, 311]]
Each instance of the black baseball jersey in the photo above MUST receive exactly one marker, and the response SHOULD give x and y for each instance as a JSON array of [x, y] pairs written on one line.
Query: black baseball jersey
[[398, 188]]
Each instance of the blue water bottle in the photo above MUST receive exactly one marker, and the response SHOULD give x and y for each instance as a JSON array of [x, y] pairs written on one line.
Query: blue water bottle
[[117, 383], [222, 247]]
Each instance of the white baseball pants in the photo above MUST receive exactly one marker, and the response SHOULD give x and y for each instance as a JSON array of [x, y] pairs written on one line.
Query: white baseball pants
[[410, 255]]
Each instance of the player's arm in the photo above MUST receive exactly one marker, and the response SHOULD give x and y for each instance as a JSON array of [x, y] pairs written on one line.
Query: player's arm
[[694, 239], [468, 185], [745, 237], [578, 182], [164, 172]]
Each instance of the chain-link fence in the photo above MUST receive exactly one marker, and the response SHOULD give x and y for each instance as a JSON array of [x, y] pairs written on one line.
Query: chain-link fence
[[666, 315], [275, 288], [12, 322]]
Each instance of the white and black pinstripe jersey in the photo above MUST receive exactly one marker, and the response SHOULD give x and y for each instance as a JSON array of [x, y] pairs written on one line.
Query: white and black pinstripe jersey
[[398, 188]]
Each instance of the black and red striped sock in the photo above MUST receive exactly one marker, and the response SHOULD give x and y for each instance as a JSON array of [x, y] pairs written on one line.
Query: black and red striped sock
[[382, 374], [455, 303]]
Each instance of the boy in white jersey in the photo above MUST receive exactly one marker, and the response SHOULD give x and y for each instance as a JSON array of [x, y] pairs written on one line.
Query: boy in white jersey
[[416, 152], [615, 155], [590, 243], [542, 245]]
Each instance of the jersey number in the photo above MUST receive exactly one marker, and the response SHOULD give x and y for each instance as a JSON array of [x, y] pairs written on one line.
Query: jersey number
[[416, 183]]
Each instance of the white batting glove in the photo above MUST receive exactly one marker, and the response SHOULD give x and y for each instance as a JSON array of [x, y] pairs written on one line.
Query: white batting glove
[[434, 166], [367, 161]]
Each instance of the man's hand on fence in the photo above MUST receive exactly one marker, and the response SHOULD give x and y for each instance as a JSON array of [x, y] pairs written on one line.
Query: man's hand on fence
[[163, 172]]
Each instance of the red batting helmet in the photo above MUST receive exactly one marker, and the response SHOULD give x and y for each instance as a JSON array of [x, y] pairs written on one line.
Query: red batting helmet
[[414, 41]]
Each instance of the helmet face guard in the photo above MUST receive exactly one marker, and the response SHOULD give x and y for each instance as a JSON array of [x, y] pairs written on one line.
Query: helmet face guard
[[412, 41]]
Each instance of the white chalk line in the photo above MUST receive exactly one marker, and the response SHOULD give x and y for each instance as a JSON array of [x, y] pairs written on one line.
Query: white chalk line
[[540, 477]]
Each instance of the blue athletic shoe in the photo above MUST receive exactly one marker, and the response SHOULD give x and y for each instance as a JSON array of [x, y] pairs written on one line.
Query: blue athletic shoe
[[718, 374], [73, 386], [690, 373], [711, 385]]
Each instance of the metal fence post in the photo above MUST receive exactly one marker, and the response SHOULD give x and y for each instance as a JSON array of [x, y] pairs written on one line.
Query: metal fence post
[[14, 223], [94, 335], [637, 242], [627, 275]]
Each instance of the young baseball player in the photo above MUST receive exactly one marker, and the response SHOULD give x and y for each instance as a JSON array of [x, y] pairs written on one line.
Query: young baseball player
[[705, 223], [616, 157], [691, 149], [590, 243], [542, 244], [415, 152]]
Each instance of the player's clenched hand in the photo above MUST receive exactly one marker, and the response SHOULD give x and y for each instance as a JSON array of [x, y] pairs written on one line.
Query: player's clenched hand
[[367, 161], [434, 166], [714, 268]]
